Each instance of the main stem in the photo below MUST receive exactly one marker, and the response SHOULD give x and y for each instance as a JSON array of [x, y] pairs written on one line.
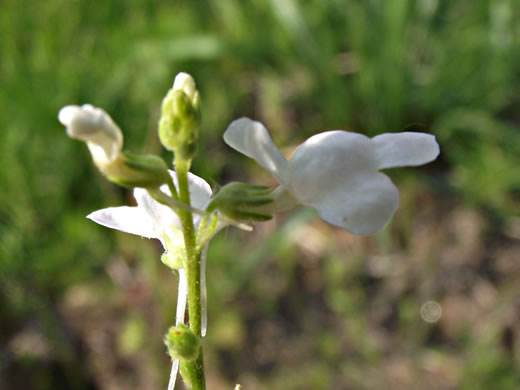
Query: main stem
[[195, 369]]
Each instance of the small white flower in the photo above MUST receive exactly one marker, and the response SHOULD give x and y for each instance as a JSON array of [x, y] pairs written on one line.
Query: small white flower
[[94, 126], [153, 220], [337, 172], [150, 218]]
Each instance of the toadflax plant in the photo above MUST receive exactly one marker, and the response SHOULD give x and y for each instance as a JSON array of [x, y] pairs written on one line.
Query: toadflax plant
[[335, 172]]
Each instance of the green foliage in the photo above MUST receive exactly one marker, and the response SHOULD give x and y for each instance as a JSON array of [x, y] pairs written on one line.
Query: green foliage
[[450, 68]]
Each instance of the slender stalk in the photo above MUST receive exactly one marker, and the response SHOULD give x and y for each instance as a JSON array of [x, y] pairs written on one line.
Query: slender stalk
[[172, 188], [195, 369]]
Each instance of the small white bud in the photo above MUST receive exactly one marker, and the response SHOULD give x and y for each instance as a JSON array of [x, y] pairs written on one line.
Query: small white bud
[[184, 82]]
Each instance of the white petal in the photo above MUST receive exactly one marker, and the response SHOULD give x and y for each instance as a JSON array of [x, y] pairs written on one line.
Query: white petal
[[325, 161], [67, 113], [336, 173], [97, 118], [126, 219], [185, 82], [182, 296], [173, 374], [405, 149], [164, 219], [94, 126], [203, 293], [200, 191], [362, 205], [252, 139]]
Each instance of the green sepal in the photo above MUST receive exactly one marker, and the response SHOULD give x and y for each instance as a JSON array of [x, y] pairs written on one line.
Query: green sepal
[[182, 343], [171, 260], [133, 170], [249, 217], [175, 255], [243, 202]]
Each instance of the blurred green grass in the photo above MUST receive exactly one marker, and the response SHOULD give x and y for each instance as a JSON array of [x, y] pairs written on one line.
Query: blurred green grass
[[307, 300]]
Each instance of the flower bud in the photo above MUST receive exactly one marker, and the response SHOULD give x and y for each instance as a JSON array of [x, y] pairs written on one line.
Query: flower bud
[[243, 202], [182, 343], [184, 82], [180, 118]]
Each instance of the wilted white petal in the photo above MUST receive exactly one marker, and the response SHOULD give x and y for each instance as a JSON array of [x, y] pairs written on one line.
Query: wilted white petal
[[126, 219], [67, 114], [252, 139], [182, 296], [203, 293], [173, 374], [362, 204], [325, 161], [94, 126], [405, 149]]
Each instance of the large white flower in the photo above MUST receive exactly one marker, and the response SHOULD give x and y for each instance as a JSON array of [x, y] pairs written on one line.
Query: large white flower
[[153, 220], [337, 172]]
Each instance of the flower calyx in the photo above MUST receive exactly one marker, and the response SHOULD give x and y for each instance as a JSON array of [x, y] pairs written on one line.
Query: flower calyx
[[133, 170], [243, 202]]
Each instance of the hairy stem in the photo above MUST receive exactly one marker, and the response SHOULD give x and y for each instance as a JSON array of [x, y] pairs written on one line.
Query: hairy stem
[[194, 369]]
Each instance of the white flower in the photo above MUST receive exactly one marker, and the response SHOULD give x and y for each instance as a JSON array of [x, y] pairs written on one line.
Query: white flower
[[337, 172], [94, 126], [150, 218], [153, 220]]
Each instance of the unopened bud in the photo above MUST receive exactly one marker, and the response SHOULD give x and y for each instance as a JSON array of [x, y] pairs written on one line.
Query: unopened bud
[[184, 82], [180, 118], [182, 343], [243, 202]]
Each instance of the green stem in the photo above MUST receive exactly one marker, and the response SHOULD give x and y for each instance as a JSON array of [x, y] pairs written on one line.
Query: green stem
[[192, 266], [172, 188]]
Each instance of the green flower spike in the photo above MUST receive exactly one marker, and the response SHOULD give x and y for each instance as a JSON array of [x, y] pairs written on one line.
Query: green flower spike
[[180, 118]]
